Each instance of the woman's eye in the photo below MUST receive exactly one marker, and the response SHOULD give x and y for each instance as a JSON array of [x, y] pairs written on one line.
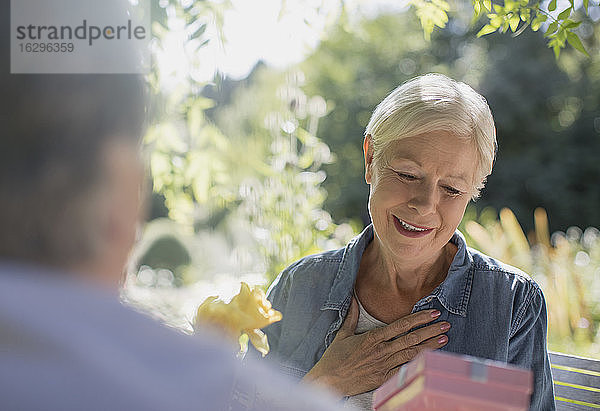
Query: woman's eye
[[452, 191], [406, 176]]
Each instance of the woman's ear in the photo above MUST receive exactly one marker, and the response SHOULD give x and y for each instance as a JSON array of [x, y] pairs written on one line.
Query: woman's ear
[[368, 153]]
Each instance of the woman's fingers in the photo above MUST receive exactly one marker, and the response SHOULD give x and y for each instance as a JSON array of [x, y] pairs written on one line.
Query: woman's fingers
[[419, 336], [403, 325], [408, 354]]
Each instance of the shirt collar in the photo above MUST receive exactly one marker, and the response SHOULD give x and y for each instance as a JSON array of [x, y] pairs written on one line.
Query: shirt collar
[[453, 293], [341, 290]]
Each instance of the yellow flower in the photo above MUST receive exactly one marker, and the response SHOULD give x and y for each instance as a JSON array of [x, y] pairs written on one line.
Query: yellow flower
[[246, 313]]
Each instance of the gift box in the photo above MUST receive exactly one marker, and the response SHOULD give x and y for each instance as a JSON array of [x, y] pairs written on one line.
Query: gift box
[[437, 380]]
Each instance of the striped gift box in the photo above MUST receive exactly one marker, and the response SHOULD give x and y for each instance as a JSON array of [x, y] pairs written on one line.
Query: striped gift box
[[437, 380]]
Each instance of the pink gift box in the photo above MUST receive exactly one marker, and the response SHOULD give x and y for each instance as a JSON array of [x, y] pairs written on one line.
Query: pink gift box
[[437, 380]]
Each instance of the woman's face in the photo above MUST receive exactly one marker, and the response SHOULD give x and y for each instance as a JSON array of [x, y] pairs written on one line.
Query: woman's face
[[419, 192]]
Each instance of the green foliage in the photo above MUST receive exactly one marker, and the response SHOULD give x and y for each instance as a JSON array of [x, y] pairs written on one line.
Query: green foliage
[[283, 205], [565, 265], [258, 184], [431, 14], [513, 15], [190, 162], [548, 136]]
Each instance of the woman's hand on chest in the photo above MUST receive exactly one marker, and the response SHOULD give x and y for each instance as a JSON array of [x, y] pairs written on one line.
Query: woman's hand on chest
[[357, 363]]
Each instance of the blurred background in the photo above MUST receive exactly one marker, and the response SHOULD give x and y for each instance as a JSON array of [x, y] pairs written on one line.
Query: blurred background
[[255, 145]]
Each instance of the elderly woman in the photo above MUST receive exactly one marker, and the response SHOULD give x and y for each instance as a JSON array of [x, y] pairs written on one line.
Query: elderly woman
[[409, 282]]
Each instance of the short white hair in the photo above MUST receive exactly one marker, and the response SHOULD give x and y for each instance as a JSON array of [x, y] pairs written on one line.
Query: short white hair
[[434, 102]]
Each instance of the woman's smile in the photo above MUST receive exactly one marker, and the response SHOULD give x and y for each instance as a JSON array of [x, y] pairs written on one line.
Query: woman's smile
[[410, 230]]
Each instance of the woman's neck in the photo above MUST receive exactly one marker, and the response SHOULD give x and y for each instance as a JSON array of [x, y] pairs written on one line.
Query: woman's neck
[[404, 278]]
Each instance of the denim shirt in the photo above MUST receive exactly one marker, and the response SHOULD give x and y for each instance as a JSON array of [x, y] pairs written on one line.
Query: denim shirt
[[496, 311]]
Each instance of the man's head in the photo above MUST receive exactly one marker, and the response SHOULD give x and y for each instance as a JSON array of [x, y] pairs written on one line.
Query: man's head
[[69, 170]]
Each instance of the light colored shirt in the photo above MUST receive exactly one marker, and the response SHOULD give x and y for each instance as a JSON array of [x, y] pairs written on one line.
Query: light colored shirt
[[366, 322], [496, 311], [65, 345]]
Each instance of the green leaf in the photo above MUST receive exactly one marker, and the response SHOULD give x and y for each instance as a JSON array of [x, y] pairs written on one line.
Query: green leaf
[[202, 179], [570, 24], [440, 19], [513, 21], [574, 40], [198, 31], [585, 5], [159, 30], [510, 5], [498, 8], [195, 119], [487, 4], [477, 8], [495, 20], [556, 49], [551, 28], [561, 35], [202, 44], [537, 22], [556, 41], [565, 14], [431, 14], [552, 5], [487, 29]]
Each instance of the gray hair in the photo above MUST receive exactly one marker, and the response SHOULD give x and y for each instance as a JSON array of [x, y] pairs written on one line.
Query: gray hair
[[434, 102]]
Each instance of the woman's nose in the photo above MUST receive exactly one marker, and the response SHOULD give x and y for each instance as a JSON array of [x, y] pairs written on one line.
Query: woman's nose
[[423, 199]]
